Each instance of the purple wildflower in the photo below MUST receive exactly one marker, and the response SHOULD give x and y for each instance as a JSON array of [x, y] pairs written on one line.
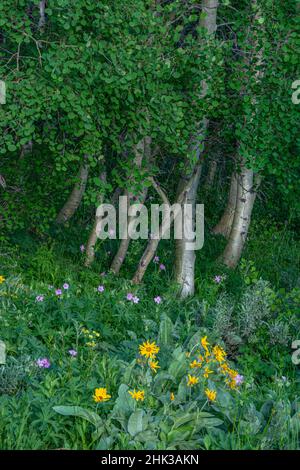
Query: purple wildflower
[[157, 299], [39, 298], [218, 279], [66, 286], [82, 248], [135, 300], [72, 352], [162, 267], [239, 379], [156, 259], [58, 291], [129, 296], [44, 363], [100, 288]]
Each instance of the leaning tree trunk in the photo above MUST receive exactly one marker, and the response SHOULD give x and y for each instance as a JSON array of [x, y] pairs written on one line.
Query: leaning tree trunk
[[75, 197], [165, 225], [91, 243], [184, 257], [246, 193], [223, 227], [142, 150]]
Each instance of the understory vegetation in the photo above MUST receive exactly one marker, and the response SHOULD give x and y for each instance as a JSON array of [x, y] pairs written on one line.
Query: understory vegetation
[[89, 338], [112, 340]]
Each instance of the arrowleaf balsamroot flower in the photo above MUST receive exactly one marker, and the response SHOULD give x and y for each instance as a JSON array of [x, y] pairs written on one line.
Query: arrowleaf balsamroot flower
[[219, 353], [138, 395], [204, 343], [192, 380], [207, 371], [2, 279], [172, 396], [211, 394], [154, 366], [101, 395], [195, 364], [149, 349]]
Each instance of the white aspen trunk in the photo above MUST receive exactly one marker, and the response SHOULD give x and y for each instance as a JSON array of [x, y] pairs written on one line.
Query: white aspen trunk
[[184, 258], [246, 194], [223, 227], [42, 19], [247, 187], [75, 197]]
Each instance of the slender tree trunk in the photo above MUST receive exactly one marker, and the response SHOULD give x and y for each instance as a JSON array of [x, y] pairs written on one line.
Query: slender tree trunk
[[185, 258], [42, 19], [223, 227], [75, 197], [142, 150], [247, 184], [211, 174], [91, 243], [246, 194]]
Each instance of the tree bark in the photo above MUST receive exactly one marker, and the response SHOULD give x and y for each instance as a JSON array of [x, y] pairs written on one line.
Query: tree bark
[[184, 257], [247, 186], [92, 240], [75, 197], [223, 227]]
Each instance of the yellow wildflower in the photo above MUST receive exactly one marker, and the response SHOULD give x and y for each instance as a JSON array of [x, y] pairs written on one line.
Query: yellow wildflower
[[137, 395], [204, 343], [154, 366], [101, 395], [91, 344], [192, 380], [195, 364], [172, 396], [211, 394], [219, 353], [148, 349], [2, 279], [207, 371]]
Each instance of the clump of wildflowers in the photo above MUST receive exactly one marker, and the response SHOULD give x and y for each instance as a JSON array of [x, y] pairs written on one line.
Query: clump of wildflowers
[[91, 336], [43, 363], [101, 395]]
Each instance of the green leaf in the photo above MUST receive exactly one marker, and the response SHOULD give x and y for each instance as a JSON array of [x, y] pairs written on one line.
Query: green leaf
[[135, 422], [80, 412], [165, 331]]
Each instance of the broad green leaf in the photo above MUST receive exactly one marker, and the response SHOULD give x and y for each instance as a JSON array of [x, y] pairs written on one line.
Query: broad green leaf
[[135, 422]]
